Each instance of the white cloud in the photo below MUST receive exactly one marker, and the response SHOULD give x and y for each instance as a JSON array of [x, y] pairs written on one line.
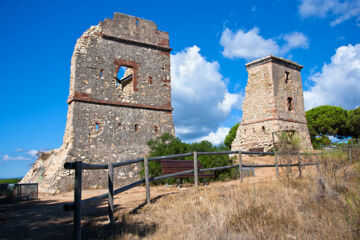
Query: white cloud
[[201, 100], [338, 83], [247, 45], [230, 101], [251, 44], [319, 8], [215, 137], [339, 10], [6, 157], [295, 40], [32, 153]]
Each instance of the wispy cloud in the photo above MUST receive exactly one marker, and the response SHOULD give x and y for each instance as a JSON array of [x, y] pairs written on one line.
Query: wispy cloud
[[294, 40], [6, 157], [26, 155], [33, 152], [250, 45], [339, 11]]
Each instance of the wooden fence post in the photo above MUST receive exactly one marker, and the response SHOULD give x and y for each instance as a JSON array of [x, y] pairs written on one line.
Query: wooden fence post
[[240, 166], [18, 192], [317, 164], [299, 162], [276, 155], [147, 182], [277, 164], [196, 175], [77, 201], [350, 157], [111, 192]]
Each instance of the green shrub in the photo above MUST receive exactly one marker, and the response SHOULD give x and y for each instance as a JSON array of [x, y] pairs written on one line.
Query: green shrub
[[289, 142], [318, 142], [167, 144]]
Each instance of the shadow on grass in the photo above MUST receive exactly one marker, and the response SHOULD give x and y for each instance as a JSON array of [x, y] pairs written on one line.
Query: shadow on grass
[[93, 230], [47, 220], [34, 220]]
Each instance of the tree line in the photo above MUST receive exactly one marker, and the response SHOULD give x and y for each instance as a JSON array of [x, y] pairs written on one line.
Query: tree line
[[168, 144], [323, 122]]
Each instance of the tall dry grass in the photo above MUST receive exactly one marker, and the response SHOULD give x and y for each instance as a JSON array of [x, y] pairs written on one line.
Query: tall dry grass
[[289, 208]]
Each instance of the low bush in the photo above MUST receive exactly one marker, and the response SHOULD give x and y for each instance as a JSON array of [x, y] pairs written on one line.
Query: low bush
[[167, 144]]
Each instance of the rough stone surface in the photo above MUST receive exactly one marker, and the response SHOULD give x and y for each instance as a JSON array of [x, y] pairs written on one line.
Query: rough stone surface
[[109, 119], [273, 102]]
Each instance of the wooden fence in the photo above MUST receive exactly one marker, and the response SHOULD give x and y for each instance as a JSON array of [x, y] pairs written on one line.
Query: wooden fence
[[80, 166], [26, 191], [344, 144]]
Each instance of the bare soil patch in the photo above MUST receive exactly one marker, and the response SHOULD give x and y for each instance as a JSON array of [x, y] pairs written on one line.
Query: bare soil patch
[[46, 219]]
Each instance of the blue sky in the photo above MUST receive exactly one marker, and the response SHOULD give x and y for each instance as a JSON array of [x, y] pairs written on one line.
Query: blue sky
[[212, 41]]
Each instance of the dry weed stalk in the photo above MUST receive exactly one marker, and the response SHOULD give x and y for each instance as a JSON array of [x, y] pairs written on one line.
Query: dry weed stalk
[[290, 208]]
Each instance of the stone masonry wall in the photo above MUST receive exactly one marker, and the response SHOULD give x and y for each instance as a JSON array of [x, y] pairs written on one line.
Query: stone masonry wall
[[110, 120], [273, 102]]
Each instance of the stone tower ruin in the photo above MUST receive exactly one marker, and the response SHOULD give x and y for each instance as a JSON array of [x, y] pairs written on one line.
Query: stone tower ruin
[[273, 102], [120, 98]]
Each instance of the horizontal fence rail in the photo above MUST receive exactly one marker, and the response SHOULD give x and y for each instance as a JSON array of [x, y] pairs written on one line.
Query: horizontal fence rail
[[170, 156], [71, 165], [84, 202], [80, 166]]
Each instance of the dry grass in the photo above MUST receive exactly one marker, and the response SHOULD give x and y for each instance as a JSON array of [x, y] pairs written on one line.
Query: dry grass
[[290, 208]]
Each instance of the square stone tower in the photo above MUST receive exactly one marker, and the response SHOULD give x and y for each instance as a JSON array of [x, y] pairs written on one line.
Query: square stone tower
[[273, 102], [120, 98]]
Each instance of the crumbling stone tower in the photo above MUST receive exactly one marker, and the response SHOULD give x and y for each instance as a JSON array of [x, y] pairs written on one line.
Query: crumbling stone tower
[[273, 102], [120, 98]]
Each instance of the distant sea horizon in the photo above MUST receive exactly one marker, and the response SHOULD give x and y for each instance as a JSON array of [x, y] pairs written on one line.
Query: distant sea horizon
[[11, 177]]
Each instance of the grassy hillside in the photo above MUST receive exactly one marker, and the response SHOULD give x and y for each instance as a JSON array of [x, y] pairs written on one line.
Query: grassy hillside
[[290, 208], [10, 180]]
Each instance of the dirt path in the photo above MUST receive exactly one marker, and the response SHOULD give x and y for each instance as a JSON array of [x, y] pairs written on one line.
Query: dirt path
[[46, 219]]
